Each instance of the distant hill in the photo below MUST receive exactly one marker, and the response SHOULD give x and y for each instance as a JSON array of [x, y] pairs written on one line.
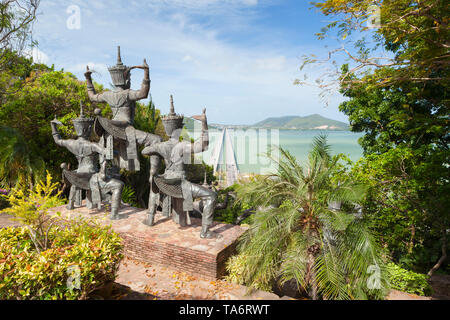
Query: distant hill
[[312, 122]]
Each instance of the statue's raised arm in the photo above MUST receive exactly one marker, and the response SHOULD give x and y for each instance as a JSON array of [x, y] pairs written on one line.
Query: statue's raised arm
[[202, 143], [93, 96], [145, 86], [118, 134], [121, 79]]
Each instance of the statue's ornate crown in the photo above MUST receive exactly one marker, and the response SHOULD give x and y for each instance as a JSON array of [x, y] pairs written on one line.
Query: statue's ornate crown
[[118, 72], [83, 125], [172, 121]]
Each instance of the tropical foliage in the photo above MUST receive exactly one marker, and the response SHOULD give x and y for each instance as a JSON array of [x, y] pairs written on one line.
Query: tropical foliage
[[82, 258], [396, 79], [298, 235], [408, 281], [405, 205], [129, 196], [31, 96], [51, 257], [20, 167], [234, 210], [31, 209]]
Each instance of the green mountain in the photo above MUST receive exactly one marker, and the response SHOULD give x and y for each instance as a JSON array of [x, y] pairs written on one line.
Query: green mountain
[[312, 122]]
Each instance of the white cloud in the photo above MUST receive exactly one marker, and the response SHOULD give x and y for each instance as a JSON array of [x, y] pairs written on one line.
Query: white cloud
[[187, 57], [196, 4], [98, 69]]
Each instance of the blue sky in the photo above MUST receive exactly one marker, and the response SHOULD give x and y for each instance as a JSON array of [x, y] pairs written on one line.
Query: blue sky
[[237, 58]]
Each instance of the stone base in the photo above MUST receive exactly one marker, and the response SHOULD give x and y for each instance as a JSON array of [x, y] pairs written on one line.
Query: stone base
[[168, 244]]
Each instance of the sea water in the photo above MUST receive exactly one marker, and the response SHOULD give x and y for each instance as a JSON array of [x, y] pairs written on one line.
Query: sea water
[[250, 146]]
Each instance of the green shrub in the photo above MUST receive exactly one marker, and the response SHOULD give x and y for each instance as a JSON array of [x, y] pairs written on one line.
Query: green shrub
[[408, 281], [233, 210], [30, 208], [235, 267], [82, 258], [52, 258]]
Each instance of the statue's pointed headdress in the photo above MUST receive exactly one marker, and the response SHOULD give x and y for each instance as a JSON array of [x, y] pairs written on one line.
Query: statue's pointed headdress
[[83, 125], [172, 121], [119, 72]]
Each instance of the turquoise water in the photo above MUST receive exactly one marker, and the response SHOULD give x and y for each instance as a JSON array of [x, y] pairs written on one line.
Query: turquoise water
[[299, 142], [250, 146]]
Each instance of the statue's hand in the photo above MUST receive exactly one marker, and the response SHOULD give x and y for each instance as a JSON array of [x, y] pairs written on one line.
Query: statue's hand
[[146, 151], [145, 65], [88, 73], [202, 117], [56, 122]]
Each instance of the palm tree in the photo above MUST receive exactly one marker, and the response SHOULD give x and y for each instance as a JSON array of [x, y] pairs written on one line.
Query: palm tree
[[18, 166], [330, 253]]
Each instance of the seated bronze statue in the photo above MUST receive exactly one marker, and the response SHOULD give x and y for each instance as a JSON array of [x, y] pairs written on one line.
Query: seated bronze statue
[[173, 182], [118, 133], [97, 183]]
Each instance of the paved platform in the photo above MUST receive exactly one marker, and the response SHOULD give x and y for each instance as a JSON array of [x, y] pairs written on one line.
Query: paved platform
[[141, 281], [166, 243]]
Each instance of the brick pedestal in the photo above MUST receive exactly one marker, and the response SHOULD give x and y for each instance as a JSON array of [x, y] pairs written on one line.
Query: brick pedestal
[[169, 244]]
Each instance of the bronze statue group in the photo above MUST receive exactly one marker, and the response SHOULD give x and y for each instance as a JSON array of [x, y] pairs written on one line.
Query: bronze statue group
[[99, 163]]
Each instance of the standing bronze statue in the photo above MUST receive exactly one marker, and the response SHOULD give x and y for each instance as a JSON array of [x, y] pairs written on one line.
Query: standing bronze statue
[[173, 181]]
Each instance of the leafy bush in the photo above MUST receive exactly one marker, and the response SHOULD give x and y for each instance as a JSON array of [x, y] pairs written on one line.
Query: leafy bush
[[31, 209], [235, 268], [233, 210], [195, 172], [92, 251], [408, 281], [52, 258], [402, 207]]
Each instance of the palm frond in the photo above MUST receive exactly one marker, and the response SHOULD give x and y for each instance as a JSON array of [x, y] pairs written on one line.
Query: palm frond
[[300, 237], [295, 260]]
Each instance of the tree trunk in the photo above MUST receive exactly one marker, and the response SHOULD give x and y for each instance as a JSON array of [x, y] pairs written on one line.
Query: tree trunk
[[411, 241], [443, 257], [313, 290], [311, 278]]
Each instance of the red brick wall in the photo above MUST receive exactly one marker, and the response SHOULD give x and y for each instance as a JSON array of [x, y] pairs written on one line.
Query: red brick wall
[[193, 262]]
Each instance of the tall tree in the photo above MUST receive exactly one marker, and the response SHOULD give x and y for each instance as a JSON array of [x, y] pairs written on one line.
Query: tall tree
[[16, 23], [397, 82], [402, 40]]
